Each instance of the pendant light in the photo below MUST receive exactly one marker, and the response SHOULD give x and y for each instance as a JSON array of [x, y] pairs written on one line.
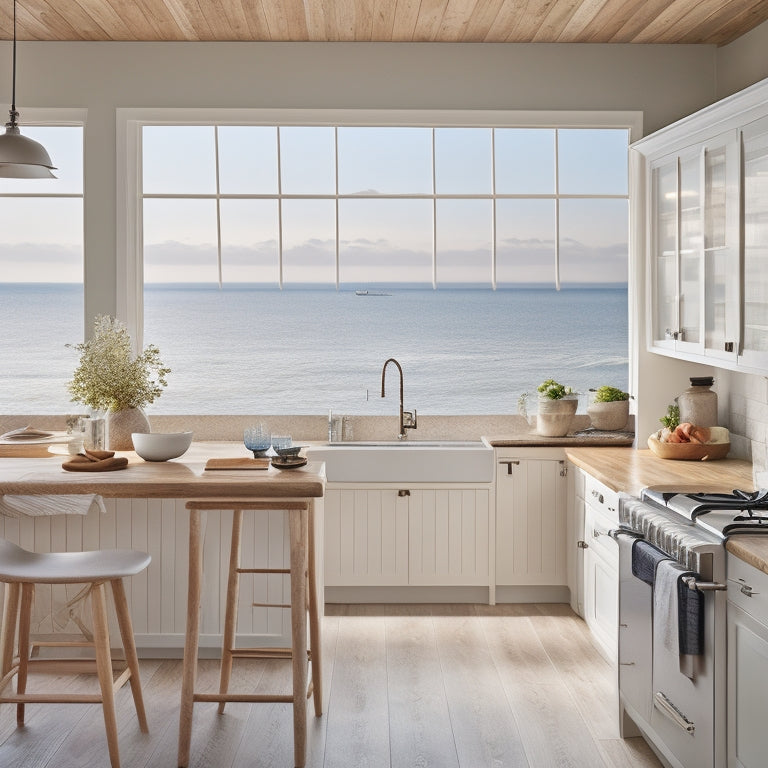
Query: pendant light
[[21, 157]]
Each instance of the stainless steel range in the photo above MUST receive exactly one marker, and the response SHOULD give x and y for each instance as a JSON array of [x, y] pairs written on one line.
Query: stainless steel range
[[672, 633]]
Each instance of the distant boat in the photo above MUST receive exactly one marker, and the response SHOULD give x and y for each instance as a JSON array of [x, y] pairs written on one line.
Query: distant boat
[[371, 293]]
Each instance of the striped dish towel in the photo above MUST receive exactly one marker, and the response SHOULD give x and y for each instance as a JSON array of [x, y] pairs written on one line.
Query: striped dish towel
[[62, 504]]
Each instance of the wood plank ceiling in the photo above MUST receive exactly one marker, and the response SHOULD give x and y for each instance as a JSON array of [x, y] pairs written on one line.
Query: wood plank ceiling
[[715, 22]]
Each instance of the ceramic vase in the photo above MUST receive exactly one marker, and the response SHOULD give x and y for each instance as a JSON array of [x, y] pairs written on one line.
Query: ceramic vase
[[554, 417], [120, 425]]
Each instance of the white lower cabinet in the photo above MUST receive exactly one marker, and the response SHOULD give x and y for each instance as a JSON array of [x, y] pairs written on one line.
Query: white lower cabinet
[[398, 536], [531, 503], [747, 620]]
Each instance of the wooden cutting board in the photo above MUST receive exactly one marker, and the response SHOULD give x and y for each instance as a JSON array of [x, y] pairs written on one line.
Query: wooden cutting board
[[237, 463]]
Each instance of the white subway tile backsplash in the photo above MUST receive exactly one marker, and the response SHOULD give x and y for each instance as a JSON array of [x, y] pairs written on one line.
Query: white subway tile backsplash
[[748, 418]]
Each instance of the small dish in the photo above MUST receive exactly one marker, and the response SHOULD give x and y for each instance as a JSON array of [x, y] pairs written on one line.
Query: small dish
[[291, 451], [288, 462]]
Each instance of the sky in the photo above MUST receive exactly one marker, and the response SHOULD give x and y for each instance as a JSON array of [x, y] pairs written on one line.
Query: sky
[[380, 239]]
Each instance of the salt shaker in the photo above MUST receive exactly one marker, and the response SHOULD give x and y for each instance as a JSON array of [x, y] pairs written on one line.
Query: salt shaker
[[698, 404]]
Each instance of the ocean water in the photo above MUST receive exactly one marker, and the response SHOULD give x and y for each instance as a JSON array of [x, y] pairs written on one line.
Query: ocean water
[[259, 351]]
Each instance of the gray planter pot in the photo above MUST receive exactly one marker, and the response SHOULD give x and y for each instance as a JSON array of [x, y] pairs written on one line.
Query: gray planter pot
[[609, 416]]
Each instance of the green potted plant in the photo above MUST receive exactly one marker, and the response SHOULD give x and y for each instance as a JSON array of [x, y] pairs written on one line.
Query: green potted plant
[[557, 407], [111, 378], [609, 409]]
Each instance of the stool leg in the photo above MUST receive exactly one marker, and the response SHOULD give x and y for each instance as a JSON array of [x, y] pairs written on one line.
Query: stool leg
[[129, 646], [230, 616], [297, 525], [315, 636], [104, 669], [25, 619], [191, 639], [8, 632]]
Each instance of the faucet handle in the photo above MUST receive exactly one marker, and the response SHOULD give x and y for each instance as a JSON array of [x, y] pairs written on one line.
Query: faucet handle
[[409, 419]]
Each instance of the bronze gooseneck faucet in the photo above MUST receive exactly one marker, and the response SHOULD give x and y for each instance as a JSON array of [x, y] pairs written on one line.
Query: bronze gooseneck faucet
[[407, 418]]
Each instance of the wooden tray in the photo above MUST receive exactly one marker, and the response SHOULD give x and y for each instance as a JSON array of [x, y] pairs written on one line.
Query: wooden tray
[[238, 463]]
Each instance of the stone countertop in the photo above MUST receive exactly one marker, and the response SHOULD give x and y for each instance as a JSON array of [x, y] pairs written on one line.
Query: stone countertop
[[586, 436]]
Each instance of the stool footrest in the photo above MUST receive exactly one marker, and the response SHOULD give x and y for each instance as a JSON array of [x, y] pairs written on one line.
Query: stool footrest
[[243, 697], [263, 570], [51, 698], [270, 605], [264, 653]]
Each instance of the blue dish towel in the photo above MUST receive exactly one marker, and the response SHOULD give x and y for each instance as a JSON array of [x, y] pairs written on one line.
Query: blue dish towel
[[690, 617], [645, 558]]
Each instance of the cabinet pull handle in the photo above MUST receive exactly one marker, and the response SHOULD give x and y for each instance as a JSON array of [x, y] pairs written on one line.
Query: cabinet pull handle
[[509, 463], [403, 493], [599, 496], [744, 588]]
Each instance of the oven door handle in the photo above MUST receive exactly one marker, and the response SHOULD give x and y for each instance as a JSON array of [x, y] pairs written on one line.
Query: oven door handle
[[703, 586], [666, 707]]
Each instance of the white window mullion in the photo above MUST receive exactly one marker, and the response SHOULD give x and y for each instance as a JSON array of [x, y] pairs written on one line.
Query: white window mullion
[[336, 196], [218, 203], [493, 209], [434, 215], [557, 210], [279, 215]]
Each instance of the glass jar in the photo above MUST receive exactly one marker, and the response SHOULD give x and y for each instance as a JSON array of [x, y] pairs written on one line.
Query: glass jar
[[698, 404]]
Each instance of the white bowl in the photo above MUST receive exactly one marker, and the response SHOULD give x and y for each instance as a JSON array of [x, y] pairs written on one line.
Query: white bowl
[[161, 446]]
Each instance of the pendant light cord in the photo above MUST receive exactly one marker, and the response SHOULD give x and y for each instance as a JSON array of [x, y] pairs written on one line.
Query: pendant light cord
[[13, 86]]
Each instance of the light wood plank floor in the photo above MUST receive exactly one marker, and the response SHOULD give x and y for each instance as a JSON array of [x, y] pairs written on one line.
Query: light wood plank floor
[[407, 686]]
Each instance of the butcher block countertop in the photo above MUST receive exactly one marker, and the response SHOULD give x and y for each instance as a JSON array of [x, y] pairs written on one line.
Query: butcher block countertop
[[185, 477], [751, 549], [628, 470]]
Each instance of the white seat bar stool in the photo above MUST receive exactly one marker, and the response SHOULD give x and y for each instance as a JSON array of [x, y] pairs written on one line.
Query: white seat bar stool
[[303, 601], [21, 570]]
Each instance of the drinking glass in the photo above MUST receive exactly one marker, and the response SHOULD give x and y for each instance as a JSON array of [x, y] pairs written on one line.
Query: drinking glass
[[257, 439]]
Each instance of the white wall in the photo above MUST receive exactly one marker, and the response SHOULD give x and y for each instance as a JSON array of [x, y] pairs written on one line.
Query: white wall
[[665, 82], [742, 62]]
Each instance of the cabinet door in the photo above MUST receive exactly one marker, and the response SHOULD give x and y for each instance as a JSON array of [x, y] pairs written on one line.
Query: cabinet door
[[366, 537], [694, 250], [531, 522], [747, 689], [755, 220], [601, 602], [448, 537]]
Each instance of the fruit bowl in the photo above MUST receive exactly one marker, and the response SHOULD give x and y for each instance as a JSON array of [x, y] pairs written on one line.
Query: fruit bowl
[[716, 448]]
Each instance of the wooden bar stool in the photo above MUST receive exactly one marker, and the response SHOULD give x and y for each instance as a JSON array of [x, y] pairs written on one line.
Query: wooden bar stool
[[20, 570], [303, 602]]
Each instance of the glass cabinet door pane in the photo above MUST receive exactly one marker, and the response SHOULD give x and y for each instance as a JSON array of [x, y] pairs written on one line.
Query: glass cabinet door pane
[[756, 244], [690, 250], [665, 250], [721, 246]]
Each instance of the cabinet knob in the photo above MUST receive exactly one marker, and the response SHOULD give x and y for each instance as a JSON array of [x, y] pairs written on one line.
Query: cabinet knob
[[582, 544], [403, 493]]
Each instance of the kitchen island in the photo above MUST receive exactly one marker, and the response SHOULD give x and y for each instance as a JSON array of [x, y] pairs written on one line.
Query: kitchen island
[[188, 478]]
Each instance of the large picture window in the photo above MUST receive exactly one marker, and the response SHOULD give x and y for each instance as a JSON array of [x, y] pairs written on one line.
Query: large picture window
[[282, 264], [41, 277]]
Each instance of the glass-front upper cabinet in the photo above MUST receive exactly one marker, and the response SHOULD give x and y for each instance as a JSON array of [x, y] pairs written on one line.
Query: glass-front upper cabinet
[[694, 253], [755, 185]]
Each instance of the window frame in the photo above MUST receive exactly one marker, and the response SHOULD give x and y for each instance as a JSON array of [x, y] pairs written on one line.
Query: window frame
[[129, 246]]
